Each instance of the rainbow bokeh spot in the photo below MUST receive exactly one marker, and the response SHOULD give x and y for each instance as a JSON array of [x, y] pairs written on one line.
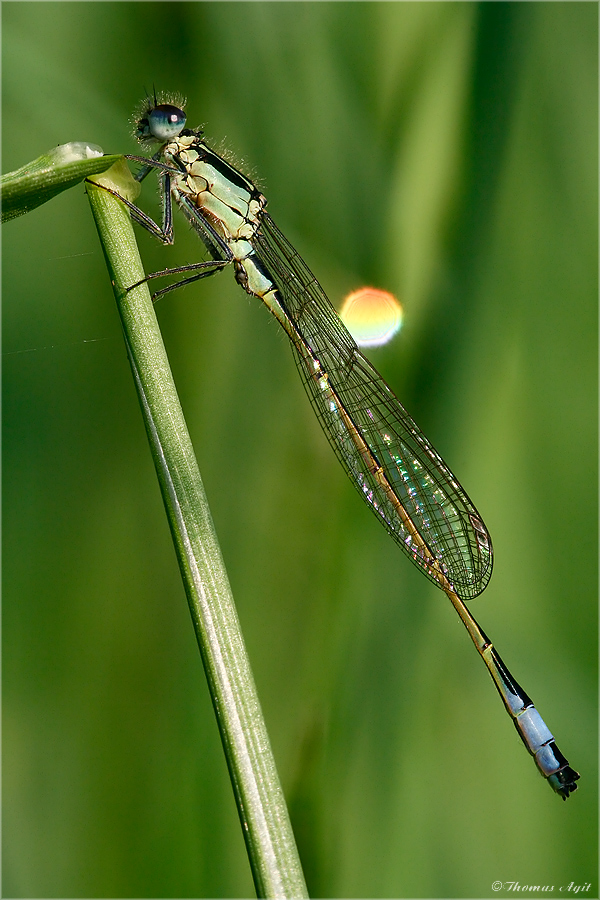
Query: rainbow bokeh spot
[[371, 316]]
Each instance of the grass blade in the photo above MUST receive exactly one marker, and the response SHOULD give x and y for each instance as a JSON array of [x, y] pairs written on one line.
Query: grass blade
[[265, 822]]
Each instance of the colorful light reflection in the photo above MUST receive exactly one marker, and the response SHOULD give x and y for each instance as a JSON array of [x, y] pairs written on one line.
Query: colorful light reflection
[[371, 316]]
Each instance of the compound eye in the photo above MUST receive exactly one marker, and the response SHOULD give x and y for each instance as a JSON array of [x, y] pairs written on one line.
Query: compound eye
[[165, 122]]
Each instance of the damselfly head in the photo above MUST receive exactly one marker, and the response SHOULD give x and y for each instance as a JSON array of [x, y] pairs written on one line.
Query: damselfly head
[[159, 118]]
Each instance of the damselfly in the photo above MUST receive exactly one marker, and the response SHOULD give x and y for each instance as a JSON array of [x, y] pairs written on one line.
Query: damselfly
[[392, 464]]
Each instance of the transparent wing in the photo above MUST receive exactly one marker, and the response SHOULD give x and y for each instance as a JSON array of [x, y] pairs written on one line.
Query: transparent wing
[[355, 405]]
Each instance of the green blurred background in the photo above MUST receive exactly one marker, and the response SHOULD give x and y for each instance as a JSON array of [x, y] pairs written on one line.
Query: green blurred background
[[443, 151]]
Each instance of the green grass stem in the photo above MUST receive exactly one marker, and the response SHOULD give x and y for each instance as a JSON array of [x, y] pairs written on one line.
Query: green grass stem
[[51, 173], [265, 822]]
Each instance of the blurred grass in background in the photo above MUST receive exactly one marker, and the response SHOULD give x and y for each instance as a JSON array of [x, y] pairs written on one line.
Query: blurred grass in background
[[443, 151]]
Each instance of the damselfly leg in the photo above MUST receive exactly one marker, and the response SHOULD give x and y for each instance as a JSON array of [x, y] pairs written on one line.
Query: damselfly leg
[[214, 242]]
